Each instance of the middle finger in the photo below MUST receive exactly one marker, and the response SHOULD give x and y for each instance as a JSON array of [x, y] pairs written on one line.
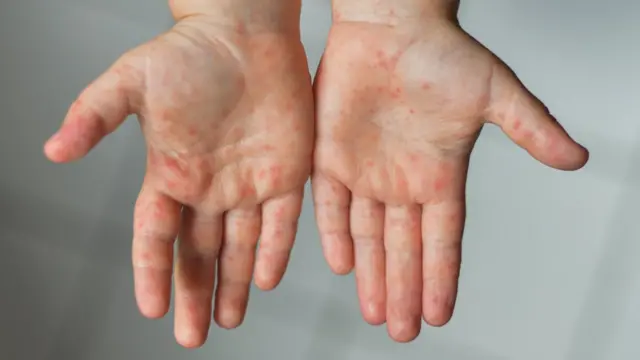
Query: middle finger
[[402, 241]]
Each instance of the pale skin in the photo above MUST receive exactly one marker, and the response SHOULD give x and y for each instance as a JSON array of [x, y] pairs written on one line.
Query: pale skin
[[402, 94], [225, 103]]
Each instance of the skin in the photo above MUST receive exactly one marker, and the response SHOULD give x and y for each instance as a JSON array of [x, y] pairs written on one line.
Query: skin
[[402, 93], [225, 103]]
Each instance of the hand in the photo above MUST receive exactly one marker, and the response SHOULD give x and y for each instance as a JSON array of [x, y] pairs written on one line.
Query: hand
[[399, 108], [227, 114]]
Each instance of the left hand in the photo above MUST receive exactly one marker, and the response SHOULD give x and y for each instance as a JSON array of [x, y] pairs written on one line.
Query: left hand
[[227, 116]]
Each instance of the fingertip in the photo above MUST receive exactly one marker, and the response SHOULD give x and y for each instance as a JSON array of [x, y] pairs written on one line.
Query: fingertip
[[229, 318], [574, 159], [53, 149], [189, 338], [560, 152], [265, 283], [153, 311], [404, 331], [339, 254], [266, 278], [374, 313], [438, 316]]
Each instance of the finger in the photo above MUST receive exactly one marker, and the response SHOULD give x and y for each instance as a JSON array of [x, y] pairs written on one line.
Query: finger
[[442, 228], [235, 266], [156, 225], [331, 201], [530, 125], [198, 248], [97, 112], [367, 230], [404, 271], [279, 227]]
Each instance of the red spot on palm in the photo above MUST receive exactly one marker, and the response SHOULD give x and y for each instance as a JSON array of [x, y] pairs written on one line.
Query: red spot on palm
[[439, 183], [275, 175], [401, 181], [426, 86], [247, 191], [240, 28]]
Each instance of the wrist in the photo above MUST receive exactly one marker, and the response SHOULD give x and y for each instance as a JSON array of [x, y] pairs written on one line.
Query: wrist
[[394, 12], [248, 15]]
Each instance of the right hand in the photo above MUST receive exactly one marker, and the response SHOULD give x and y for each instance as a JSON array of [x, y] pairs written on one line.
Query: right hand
[[399, 109], [227, 114]]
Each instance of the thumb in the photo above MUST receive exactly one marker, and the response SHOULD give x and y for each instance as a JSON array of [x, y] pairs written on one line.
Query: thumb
[[529, 124], [97, 112]]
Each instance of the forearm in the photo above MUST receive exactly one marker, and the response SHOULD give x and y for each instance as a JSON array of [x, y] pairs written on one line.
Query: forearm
[[247, 14], [393, 11]]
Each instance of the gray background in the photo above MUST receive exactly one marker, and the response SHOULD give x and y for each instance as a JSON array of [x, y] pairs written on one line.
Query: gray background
[[549, 270]]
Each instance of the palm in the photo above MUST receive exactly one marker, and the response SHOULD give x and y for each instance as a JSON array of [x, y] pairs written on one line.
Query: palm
[[228, 122], [398, 114]]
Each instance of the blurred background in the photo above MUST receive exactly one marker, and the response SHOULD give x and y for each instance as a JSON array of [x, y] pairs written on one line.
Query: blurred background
[[550, 259]]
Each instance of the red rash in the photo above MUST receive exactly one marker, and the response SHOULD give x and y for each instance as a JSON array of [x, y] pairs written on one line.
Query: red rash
[[401, 181], [240, 28], [279, 214], [175, 167], [439, 184], [74, 108], [171, 185], [517, 124], [275, 173], [247, 190]]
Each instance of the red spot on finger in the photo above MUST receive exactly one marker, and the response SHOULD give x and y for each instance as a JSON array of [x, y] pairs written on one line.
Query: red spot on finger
[[517, 124], [175, 167], [425, 85], [159, 210], [439, 184], [279, 214], [77, 105]]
